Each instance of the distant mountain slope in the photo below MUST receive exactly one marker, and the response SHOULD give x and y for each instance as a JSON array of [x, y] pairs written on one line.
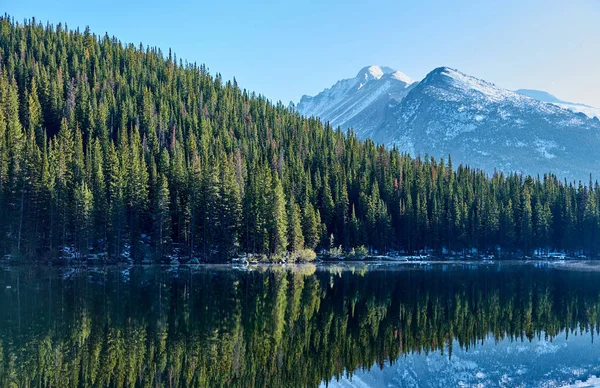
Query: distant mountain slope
[[540, 95], [360, 102], [474, 121]]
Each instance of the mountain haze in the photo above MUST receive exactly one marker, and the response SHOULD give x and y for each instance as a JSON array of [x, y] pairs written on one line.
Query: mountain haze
[[540, 95]]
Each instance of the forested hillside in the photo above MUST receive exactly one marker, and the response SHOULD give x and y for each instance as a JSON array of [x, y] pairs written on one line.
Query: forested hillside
[[130, 152]]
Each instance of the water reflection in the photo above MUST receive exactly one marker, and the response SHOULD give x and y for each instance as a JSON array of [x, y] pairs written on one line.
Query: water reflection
[[272, 326]]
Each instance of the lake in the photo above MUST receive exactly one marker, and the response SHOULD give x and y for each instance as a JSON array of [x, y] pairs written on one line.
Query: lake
[[352, 324]]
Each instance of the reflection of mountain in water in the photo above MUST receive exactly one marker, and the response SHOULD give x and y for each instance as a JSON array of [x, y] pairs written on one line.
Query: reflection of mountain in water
[[185, 327], [507, 363]]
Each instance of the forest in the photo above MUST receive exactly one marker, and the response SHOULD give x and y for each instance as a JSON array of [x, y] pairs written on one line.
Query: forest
[[123, 152]]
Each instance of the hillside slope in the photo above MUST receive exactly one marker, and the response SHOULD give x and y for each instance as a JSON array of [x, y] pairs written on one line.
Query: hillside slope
[[113, 153]]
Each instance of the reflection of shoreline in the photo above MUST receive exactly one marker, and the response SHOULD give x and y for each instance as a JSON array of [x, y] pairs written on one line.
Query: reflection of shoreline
[[276, 325], [570, 263]]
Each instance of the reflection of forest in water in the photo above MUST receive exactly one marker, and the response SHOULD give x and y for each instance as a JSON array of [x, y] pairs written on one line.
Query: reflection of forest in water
[[185, 327]]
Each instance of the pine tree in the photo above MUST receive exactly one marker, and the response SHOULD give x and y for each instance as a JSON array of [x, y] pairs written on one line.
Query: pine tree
[[83, 201], [277, 224], [295, 236], [355, 230], [590, 224], [311, 225], [342, 204], [98, 188], [137, 192], [116, 204], [211, 212], [230, 211], [194, 184], [327, 205], [162, 217], [508, 226], [61, 161], [15, 144], [526, 222]]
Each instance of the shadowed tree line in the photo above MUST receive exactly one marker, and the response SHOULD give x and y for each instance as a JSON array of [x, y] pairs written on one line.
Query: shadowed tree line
[[148, 327]]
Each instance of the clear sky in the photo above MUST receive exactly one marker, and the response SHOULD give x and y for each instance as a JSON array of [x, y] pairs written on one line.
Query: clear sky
[[284, 49]]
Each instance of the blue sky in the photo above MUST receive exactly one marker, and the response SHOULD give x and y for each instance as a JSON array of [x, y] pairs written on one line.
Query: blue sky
[[284, 49]]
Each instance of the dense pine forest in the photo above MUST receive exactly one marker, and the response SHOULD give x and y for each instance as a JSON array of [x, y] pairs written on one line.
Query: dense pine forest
[[118, 151]]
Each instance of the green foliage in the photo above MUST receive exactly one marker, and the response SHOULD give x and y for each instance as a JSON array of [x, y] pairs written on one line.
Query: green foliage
[[277, 224], [358, 253], [161, 215], [336, 252], [303, 255], [105, 146], [311, 225], [295, 236]]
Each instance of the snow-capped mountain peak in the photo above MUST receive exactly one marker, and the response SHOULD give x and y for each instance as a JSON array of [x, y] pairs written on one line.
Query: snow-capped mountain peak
[[473, 120], [454, 83], [359, 102], [373, 72]]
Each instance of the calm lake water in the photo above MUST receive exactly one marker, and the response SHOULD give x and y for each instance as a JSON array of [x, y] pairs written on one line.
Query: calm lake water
[[442, 324]]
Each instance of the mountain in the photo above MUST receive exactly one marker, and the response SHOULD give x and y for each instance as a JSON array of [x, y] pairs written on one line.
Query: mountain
[[540, 95], [361, 102], [451, 113], [476, 122]]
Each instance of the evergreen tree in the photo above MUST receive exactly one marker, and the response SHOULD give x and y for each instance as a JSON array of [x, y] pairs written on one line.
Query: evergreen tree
[[277, 223], [116, 204], [526, 227], [230, 211], [162, 217], [311, 225], [83, 201], [295, 236]]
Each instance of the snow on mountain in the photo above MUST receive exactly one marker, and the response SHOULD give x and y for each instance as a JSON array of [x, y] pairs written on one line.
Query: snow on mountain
[[587, 110], [373, 72], [474, 121], [400, 76], [360, 102], [540, 95]]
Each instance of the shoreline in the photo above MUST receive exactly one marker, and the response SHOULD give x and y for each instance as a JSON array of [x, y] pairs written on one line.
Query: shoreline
[[425, 260]]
